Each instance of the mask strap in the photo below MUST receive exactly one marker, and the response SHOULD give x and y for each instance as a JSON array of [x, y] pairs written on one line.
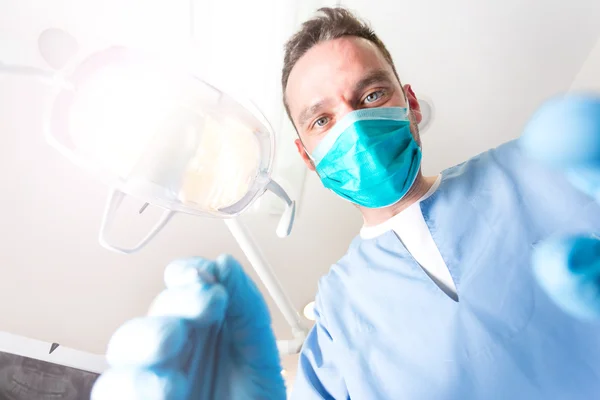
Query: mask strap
[[112, 205], [312, 160]]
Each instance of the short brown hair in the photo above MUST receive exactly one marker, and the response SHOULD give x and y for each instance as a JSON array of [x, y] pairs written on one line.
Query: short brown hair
[[333, 23]]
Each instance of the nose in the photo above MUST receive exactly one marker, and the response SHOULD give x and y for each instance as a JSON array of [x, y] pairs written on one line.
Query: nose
[[345, 107]]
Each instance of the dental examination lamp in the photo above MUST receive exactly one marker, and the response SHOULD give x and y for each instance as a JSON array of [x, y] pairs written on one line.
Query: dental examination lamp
[[153, 130]]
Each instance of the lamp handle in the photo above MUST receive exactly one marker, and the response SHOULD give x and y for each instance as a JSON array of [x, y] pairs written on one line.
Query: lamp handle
[[286, 222], [112, 205]]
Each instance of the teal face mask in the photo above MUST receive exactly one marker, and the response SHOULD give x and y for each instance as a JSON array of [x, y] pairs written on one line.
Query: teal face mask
[[369, 157]]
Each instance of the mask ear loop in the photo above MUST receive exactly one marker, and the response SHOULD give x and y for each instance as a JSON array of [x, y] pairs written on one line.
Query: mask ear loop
[[310, 157]]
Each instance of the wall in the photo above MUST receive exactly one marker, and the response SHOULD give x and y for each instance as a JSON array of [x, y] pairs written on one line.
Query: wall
[[589, 75]]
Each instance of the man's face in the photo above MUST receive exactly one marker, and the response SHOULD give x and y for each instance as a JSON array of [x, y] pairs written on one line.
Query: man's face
[[336, 77]]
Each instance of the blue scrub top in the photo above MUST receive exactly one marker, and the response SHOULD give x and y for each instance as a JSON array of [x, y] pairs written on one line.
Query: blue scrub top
[[385, 330]]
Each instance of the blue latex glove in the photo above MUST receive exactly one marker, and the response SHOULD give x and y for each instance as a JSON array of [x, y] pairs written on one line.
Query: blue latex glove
[[565, 134], [207, 336]]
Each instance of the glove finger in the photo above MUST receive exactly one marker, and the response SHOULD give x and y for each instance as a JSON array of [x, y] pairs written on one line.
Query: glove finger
[[147, 341], [227, 272], [246, 313], [139, 384], [587, 180], [187, 271], [245, 302], [248, 317], [568, 269], [200, 303], [565, 132]]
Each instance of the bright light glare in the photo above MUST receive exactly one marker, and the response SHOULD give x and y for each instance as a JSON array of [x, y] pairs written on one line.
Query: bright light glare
[[115, 114], [151, 130], [309, 311]]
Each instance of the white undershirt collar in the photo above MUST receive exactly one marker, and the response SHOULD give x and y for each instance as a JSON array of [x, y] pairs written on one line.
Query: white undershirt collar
[[370, 232]]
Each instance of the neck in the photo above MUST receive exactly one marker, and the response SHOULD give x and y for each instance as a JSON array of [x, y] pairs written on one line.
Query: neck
[[375, 216]]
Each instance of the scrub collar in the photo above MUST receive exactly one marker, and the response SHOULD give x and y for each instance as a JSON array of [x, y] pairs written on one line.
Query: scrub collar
[[370, 232]]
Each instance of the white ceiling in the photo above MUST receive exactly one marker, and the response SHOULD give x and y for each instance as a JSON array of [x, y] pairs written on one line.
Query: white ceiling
[[588, 78], [486, 65]]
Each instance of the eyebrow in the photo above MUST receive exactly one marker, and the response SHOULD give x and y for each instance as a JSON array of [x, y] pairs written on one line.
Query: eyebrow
[[309, 112], [377, 76]]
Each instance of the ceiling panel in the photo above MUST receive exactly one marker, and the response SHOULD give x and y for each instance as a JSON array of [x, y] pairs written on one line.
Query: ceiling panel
[[588, 78], [485, 64]]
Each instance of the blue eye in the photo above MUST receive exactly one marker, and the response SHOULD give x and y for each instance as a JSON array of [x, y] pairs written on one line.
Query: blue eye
[[373, 97], [321, 122]]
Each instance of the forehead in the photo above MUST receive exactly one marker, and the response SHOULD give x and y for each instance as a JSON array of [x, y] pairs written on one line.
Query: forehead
[[331, 69]]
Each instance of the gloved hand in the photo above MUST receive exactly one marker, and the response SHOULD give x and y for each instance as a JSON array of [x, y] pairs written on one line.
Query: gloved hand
[[565, 134], [207, 336]]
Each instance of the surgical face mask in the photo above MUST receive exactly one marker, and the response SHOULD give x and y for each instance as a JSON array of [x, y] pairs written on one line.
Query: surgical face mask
[[163, 136], [369, 157]]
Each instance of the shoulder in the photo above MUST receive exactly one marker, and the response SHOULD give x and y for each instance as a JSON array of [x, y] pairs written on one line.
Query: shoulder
[[360, 257], [343, 270], [358, 271], [486, 171], [493, 158]]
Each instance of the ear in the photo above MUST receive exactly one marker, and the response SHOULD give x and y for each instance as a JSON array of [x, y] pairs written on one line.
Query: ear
[[304, 156], [413, 103]]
